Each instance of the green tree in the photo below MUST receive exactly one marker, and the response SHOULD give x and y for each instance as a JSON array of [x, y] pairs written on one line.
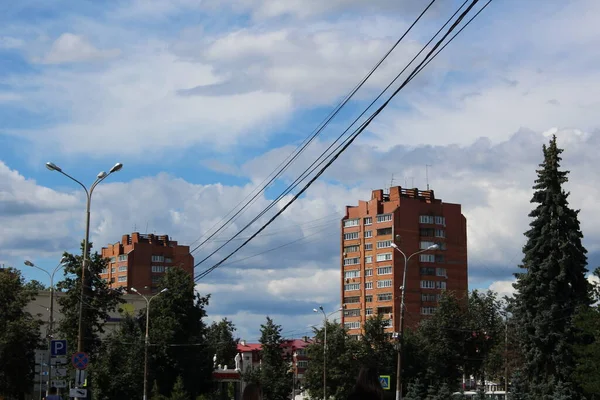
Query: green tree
[[275, 378], [19, 335], [118, 370], [343, 363], [179, 392], [221, 341], [155, 394], [35, 285], [552, 286], [377, 351], [178, 335], [98, 301], [416, 390]]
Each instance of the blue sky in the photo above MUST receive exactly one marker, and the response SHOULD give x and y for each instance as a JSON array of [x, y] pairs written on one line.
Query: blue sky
[[201, 100]]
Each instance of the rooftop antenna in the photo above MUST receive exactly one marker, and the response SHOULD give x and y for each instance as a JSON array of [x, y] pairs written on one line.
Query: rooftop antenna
[[427, 174], [134, 226], [146, 231], [392, 181]]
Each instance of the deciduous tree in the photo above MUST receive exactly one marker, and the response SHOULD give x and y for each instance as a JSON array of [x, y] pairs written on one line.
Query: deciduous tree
[[221, 341]]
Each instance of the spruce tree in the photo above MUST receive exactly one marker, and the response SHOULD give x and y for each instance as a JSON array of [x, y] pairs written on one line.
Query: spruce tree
[[276, 380], [416, 390], [179, 392], [552, 285]]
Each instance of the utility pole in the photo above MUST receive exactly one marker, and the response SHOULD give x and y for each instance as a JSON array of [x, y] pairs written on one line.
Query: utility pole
[[506, 354]]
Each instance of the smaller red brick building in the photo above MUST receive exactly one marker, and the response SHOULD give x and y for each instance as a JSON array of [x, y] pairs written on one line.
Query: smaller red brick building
[[140, 260]]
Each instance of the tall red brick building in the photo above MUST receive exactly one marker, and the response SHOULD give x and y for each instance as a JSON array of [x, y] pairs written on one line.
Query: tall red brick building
[[372, 269], [140, 260]]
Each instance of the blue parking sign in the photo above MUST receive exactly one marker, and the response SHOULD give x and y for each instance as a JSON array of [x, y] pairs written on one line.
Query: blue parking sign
[[58, 348]]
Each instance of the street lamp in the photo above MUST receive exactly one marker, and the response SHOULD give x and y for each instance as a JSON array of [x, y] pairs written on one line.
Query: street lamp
[[51, 320], [147, 341], [100, 177], [402, 307], [321, 310]]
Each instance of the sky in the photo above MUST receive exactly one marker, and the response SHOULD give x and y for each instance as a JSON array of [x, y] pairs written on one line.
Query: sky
[[202, 100]]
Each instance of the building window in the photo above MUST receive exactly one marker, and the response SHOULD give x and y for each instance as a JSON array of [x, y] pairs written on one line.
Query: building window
[[352, 274], [441, 272], [352, 313], [427, 284], [352, 261], [440, 220], [388, 323], [369, 298], [439, 258], [384, 310], [113, 270], [302, 364], [368, 285], [113, 259], [384, 218], [352, 286], [168, 260], [158, 268], [428, 297], [384, 283], [369, 272], [123, 268], [426, 219], [368, 220], [384, 231], [426, 232], [440, 233], [384, 257], [368, 246], [104, 271], [350, 300], [351, 236], [440, 285], [384, 270], [384, 244], [122, 278], [158, 258], [428, 258], [427, 271], [123, 257], [385, 297], [368, 311], [352, 325], [368, 259], [368, 234], [351, 222], [156, 279], [426, 244], [438, 297], [351, 249], [427, 310]]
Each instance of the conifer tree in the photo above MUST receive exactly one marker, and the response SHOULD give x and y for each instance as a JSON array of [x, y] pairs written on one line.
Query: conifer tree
[[275, 378], [416, 390], [552, 285], [179, 392]]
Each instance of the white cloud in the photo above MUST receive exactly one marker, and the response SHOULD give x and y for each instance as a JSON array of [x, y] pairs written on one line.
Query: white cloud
[[71, 48], [503, 288], [9, 42]]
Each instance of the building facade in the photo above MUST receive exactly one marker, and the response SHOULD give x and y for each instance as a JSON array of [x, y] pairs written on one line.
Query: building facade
[[372, 269], [140, 261]]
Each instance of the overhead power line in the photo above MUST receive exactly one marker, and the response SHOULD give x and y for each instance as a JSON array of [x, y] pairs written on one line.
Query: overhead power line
[[434, 52], [284, 165]]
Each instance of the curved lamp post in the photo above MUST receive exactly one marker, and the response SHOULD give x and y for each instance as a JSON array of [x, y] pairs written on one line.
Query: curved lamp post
[[51, 320], [100, 177], [147, 341], [325, 316], [402, 307]]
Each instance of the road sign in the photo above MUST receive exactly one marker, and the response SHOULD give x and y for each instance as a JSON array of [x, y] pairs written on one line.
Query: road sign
[[80, 378], [81, 393], [385, 381], [80, 360], [58, 361], [58, 348], [60, 372], [59, 384]]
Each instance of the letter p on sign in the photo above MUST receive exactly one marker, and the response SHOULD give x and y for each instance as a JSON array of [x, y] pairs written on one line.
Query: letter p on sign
[[58, 348]]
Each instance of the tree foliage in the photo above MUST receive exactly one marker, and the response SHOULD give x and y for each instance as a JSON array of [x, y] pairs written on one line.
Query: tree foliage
[[552, 286], [99, 300], [274, 374], [19, 334], [178, 392], [220, 340]]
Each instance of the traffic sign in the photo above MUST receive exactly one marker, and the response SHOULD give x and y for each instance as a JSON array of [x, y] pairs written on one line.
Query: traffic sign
[[59, 384], [60, 372], [58, 348], [385, 381], [80, 360], [80, 378], [58, 361], [81, 393]]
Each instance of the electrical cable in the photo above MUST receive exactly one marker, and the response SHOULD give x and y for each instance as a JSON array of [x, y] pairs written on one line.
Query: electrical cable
[[308, 140], [313, 167], [362, 127]]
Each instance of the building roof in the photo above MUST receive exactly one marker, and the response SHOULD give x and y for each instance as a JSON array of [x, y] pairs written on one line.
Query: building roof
[[243, 346]]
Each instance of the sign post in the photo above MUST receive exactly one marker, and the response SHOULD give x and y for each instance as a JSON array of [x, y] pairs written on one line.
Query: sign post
[[80, 361]]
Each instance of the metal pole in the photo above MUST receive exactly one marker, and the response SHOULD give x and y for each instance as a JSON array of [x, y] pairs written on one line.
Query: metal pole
[[80, 334], [506, 355], [325, 359], [401, 330], [50, 332], [147, 341]]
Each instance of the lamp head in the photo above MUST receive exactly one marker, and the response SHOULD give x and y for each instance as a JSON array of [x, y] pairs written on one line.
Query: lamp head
[[394, 245], [314, 309], [321, 308], [398, 238], [116, 168], [63, 260], [164, 290], [133, 289], [53, 167], [102, 174], [433, 247], [29, 263]]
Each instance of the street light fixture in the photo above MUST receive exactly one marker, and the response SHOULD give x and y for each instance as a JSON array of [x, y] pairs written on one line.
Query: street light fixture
[[321, 310], [100, 177], [147, 341], [50, 331], [402, 307]]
